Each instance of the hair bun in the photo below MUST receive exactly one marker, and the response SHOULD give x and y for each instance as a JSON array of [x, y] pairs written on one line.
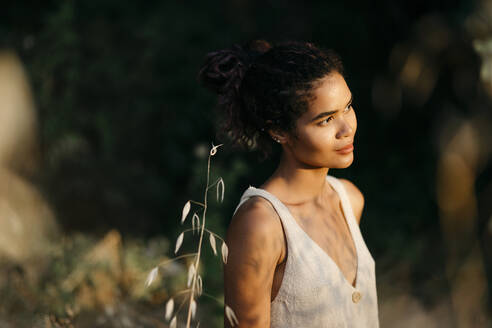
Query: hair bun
[[257, 47], [223, 70]]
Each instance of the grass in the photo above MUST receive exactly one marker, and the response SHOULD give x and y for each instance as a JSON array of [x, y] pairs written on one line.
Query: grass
[[194, 284]]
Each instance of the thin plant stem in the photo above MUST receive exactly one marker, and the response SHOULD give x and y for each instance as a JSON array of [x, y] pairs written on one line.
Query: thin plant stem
[[213, 297], [181, 305], [211, 232], [213, 184], [184, 291], [216, 235], [198, 203], [188, 320], [176, 258]]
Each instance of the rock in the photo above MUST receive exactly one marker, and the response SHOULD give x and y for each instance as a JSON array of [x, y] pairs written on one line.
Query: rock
[[27, 224]]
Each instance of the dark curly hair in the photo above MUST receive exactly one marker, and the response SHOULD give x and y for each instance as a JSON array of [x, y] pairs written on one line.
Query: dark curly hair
[[264, 87]]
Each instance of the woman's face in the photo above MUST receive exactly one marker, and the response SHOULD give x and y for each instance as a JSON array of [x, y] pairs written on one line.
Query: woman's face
[[326, 131]]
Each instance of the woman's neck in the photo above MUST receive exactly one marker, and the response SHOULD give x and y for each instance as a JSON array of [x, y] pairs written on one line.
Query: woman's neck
[[296, 184]]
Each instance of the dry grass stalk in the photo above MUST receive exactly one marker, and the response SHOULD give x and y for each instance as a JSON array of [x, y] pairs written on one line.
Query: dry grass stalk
[[194, 280]]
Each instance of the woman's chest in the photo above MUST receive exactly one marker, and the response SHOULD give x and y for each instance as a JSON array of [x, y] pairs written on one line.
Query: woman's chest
[[329, 236], [329, 231]]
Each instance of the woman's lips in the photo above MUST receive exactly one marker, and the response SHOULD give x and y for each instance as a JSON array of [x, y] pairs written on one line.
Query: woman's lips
[[346, 150]]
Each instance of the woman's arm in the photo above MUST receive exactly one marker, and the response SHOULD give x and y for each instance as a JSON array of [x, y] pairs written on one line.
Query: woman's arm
[[356, 198], [255, 241]]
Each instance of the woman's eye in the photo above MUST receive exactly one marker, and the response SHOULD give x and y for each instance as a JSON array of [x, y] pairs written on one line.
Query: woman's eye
[[326, 120]]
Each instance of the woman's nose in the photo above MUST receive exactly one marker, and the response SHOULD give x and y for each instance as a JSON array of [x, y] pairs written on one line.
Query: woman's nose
[[344, 129]]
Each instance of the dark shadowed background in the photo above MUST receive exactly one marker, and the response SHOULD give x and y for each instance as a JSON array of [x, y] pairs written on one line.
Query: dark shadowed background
[[105, 132]]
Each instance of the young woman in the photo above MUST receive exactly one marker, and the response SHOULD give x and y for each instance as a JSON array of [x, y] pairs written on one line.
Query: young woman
[[296, 254]]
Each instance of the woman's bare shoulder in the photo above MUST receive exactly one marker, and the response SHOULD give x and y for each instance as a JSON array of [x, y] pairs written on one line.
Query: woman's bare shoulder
[[356, 198], [256, 221], [256, 216]]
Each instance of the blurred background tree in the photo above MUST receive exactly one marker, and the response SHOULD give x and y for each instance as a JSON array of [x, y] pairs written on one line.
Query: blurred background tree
[[124, 129]]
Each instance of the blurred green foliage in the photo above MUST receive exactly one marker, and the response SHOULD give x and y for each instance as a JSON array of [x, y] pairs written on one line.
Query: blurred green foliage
[[87, 282]]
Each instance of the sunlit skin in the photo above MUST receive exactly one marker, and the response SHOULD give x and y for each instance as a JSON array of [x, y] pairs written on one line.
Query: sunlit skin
[[257, 245]]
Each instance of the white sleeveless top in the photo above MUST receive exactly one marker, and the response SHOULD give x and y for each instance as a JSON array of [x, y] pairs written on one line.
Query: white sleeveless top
[[314, 292]]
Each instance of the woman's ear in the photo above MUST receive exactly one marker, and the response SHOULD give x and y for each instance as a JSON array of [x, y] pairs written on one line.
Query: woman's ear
[[278, 136]]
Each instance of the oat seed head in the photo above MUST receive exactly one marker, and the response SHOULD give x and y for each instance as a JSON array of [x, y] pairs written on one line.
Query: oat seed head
[[179, 242], [151, 277], [173, 323], [231, 316], [212, 243], [191, 273], [195, 221], [199, 285], [186, 210], [213, 151], [169, 308], [225, 252], [220, 190], [193, 309]]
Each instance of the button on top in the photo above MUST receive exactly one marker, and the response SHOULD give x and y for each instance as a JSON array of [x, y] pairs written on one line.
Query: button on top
[[356, 296]]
